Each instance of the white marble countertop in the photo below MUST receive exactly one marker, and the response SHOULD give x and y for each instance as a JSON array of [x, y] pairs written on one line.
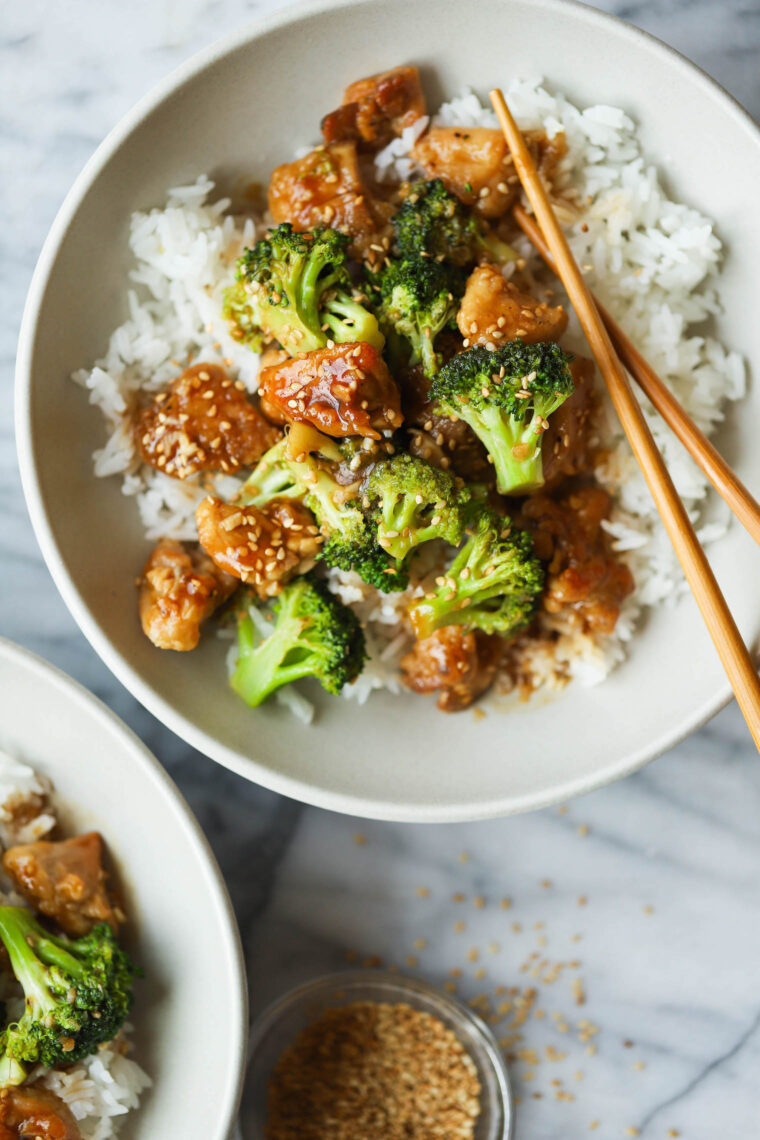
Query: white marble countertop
[[650, 887]]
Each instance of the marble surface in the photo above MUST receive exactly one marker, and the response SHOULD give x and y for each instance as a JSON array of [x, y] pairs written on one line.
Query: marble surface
[[667, 941]]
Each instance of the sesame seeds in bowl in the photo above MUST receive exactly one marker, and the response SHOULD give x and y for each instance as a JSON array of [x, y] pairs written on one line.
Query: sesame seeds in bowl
[[355, 1033]]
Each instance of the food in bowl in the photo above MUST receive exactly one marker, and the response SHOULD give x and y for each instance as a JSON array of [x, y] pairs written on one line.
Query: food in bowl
[[65, 1071], [360, 423]]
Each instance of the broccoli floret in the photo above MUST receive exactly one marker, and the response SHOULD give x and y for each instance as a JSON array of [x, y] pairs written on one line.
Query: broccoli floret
[[493, 584], [312, 635], [78, 993], [275, 477], [417, 297], [414, 502], [350, 539], [507, 397], [433, 222], [295, 288], [361, 552]]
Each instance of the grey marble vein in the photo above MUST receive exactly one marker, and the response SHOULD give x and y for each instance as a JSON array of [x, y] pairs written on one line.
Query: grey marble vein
[[667, 942]]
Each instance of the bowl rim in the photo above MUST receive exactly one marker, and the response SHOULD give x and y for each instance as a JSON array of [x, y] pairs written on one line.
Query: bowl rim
[[246, 766], [230, 944], [399, 985]]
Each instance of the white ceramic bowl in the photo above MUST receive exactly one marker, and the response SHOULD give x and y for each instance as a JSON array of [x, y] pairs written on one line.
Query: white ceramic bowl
[[191, 1010], [277, 1028], [235, 111]]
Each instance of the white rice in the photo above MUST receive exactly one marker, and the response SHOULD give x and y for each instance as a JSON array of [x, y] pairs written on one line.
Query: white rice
[[654, 262], [99, 1090]]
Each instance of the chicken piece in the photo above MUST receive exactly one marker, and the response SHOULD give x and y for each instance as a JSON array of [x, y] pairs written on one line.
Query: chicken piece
[[345, 390], [583, 575], [493, 311], [564, 445], [202, 422], [63, 880], [474, 163], [37, 1113], [180, 587], [264, 548], [462, 665], [325, 188], [376, 109]]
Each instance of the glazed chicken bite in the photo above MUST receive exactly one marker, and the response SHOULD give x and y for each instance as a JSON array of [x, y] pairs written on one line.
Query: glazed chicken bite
[[583, 574], [564, 444], [493, 311], [472, 162], [263, 548], [325, 188], [202, 422], [344, 390], [64, 881], [461, 665], [33, 1111], [180, 588], [376, 109]]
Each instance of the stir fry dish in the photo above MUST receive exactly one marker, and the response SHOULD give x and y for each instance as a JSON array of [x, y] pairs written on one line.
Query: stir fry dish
[[66, 980], [418, 427]]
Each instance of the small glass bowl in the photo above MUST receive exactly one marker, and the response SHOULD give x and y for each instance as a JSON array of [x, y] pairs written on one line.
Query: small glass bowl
[[278, 1026]]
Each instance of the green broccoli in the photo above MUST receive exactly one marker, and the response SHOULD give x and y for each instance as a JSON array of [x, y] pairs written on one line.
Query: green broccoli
[[414, 502], [312, 635], [433, 222], [415, 298], [493, 584], [78, 993], [350, 539], [507, 397], [295, 288], [358, 549]]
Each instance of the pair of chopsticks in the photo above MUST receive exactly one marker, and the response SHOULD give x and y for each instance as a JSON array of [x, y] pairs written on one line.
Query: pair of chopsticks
[[611, 349]]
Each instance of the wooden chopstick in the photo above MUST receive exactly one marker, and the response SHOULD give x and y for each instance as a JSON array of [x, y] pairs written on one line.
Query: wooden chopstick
[[717, 616], [725, 481]]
